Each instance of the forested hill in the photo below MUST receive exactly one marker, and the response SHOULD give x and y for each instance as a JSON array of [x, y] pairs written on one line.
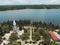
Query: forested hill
[[16, 7]]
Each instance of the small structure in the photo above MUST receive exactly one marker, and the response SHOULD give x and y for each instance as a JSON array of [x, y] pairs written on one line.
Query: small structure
[[16, 29], [57, 30], [55, 36]]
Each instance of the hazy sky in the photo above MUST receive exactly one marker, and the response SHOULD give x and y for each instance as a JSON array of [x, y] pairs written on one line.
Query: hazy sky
[[28, 2]]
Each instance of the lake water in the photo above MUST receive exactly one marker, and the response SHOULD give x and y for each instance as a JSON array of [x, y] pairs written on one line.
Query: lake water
[[47, 15]]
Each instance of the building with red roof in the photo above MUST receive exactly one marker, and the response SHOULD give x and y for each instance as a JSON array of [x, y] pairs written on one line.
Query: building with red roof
[[54, 37]]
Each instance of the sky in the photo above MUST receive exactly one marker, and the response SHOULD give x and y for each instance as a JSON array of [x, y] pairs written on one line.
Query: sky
[[28, 2]]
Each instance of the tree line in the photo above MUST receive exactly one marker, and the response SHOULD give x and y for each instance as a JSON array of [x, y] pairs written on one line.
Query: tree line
[[5, 27], [16, 7]]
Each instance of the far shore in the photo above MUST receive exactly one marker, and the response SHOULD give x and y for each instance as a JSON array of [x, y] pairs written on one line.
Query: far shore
[[17, 7]]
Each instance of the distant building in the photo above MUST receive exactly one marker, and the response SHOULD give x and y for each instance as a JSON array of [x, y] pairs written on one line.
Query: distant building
[[57, 30], [55, 36]]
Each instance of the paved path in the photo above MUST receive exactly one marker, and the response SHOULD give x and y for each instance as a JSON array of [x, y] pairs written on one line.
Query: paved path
[[4, 42], [23, 42]]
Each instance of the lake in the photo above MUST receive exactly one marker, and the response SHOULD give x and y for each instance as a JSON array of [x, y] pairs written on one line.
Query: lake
[[44, 15]]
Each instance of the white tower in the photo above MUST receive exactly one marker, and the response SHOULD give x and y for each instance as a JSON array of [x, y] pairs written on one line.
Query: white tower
[[14, 26], [30, 35]]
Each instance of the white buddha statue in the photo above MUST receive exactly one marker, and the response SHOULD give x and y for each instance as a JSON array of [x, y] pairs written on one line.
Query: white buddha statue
[[14, 26]]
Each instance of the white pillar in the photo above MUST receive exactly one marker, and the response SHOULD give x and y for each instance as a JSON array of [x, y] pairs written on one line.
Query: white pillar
[[30, 35], [14, 26]]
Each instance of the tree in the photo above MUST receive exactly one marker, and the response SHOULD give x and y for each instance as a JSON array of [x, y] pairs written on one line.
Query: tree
[[14, 43], [1, 40], [24, 36], [5, 28], [40, 23], [20, 27], [13, 37], [36, 36], [1, 32], [44, 24], [57, 27]]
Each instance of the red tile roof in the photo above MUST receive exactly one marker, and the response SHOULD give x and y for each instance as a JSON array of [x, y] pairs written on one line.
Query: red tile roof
[[54, 37]]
